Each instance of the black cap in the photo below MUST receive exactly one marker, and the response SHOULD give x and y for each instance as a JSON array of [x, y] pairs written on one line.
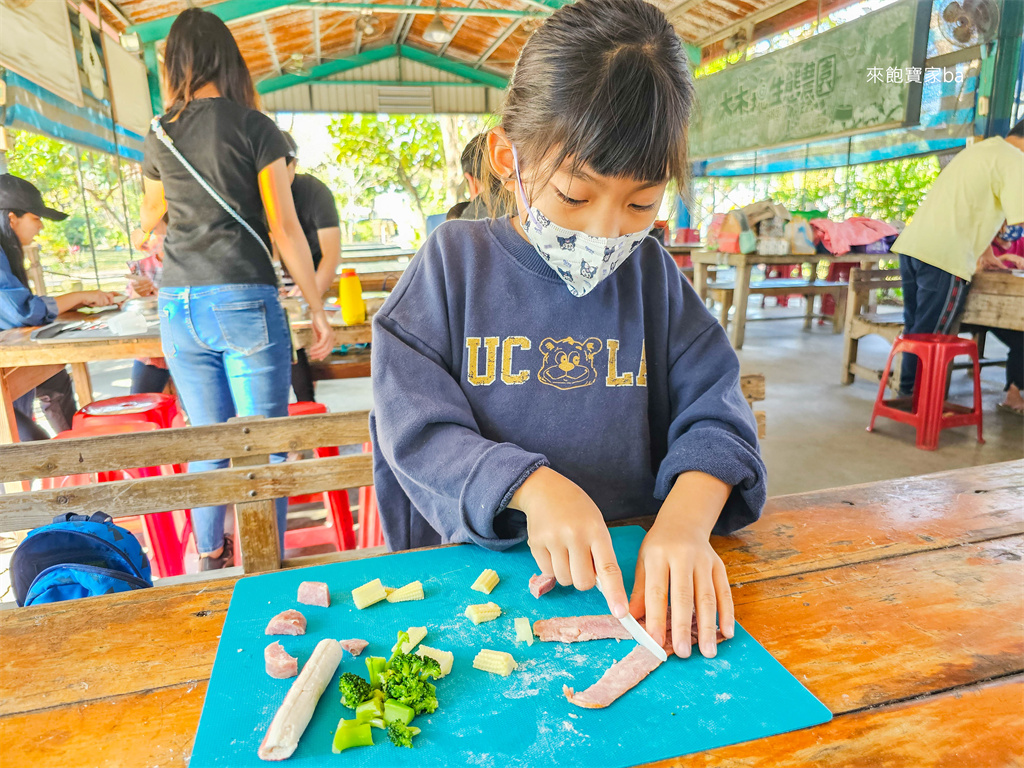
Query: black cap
[[293, 148], [20, 195]]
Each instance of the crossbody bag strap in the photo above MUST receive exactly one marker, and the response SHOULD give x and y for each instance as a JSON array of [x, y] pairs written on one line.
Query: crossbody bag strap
[[166, 140]]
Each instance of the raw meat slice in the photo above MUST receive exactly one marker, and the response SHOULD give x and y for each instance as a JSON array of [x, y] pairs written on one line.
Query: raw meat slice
[[279, 663], [287, 623], [575, 629], [355, 647], [314, 593], [620, 677], [541, 584]]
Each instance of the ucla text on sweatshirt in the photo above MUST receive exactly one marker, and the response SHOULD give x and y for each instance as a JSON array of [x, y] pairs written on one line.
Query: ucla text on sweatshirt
[[486, 368]]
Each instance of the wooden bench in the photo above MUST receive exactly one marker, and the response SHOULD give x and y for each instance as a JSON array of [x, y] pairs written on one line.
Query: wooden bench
[[862, 320], [722, 293], [251, 482]]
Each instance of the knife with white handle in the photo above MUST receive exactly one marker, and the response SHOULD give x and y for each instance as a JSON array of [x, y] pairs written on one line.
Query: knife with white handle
[[638, 633]]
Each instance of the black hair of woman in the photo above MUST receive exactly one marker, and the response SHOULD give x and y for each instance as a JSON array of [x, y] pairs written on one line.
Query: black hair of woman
[[200, 51], [10, 244], [607, 84]]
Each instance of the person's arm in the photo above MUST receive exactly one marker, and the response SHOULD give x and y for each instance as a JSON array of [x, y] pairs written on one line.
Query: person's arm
[[712, 479], [275, 189], [77, 299], [153, 208], [330, 256]]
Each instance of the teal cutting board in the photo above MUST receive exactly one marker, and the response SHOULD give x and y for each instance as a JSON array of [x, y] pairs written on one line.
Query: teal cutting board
[[686, 705]]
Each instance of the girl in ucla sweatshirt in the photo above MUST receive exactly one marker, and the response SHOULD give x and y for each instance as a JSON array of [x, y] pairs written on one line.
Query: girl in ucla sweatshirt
[[538, 375]]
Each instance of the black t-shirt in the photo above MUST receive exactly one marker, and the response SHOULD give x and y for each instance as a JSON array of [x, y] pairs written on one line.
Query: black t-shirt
[[228, 145], [316, 210]]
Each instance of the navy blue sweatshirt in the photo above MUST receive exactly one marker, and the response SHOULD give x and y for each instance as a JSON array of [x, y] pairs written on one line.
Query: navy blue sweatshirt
[[486, 368]]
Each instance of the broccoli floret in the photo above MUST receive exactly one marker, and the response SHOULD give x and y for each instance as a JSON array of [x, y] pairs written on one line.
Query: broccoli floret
[[368, 710], [401, 734], [396, 710], [403, 638], [354, 690], [350, 734], [406, 680]]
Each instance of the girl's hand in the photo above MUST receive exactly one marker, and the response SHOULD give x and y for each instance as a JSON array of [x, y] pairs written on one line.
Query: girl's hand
[[323, 335], [568, 536], [677, 562], [96, 298], [141, 285]]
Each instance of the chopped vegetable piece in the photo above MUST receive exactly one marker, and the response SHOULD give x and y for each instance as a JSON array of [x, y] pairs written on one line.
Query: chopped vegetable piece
[[445, 659], [351, 734], [401, 735], [498, 662], [368, 594], [354, 690], [368, 710], [396, 710], [406, 679], [411, 591], [483, 612], [486, 581], [524, 631], [416, 635], [375, 665]]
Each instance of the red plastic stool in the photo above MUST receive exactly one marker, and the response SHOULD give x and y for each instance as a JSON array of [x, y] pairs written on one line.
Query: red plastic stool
[[339, 529], [838, 272], [776, 271], [370, 532], [929, 413], [155, 407], [166, 548]]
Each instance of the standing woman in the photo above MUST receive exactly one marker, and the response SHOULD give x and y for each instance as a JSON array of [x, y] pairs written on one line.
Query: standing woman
[[225, 335]]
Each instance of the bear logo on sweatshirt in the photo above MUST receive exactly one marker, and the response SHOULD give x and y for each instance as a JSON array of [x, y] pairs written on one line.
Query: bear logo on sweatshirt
[[569, 364]]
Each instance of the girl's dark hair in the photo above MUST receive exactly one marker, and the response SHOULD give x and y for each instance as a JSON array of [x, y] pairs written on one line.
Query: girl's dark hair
[[201, 50], [605, 83], [11, 245]]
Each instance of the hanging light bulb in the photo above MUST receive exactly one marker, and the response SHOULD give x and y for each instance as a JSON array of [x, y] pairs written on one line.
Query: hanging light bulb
[[436, 31]]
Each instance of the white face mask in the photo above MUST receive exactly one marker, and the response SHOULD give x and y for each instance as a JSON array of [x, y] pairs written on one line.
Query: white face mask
[[581, 260]]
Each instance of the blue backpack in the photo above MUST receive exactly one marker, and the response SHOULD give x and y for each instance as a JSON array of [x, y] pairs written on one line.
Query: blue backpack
[[77, 556]]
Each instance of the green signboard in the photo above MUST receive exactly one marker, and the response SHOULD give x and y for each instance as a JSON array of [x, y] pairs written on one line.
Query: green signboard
[[859, 76]]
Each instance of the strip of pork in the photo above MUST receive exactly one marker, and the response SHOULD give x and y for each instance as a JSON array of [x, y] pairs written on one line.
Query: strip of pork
[[576, 629], [620, 677]]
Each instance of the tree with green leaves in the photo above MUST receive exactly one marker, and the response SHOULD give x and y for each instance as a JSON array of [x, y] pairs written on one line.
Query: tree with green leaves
[[394, 153]]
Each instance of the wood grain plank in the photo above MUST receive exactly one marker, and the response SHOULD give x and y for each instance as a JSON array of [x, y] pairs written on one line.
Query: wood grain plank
[[979, 726], [55, 458], [857, 636], [21, 511]]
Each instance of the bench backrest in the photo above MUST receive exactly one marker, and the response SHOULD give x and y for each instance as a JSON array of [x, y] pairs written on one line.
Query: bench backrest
[[752, 386], [251, 482]]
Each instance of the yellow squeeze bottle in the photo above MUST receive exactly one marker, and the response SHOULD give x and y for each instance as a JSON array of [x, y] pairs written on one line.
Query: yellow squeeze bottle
[[350, 297]]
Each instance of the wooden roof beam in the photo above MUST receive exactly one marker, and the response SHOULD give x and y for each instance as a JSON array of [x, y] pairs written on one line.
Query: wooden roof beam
[[755, 18], [498, 41]]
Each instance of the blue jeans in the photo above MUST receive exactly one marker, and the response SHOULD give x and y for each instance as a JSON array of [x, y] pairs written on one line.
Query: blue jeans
[[148, 378], [230, 353]]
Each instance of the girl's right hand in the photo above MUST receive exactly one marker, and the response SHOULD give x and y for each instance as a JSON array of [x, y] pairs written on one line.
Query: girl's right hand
[[568, 536], [323, 335]]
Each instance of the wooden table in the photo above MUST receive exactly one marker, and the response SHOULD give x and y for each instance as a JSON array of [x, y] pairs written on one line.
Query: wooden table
[[898, 604], [744, 263], [996, 300]]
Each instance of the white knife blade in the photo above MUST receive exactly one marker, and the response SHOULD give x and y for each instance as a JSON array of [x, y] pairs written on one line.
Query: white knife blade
[[638, 633]]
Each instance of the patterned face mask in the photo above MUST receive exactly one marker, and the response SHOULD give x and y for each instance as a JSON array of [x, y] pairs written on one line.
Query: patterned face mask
[[581, 260], [1011, 232]]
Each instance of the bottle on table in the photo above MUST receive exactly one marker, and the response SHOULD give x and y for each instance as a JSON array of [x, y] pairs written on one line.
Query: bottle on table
[[350, 297]]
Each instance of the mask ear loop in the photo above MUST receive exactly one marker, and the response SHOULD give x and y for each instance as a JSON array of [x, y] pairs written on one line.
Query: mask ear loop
[[522, 190]]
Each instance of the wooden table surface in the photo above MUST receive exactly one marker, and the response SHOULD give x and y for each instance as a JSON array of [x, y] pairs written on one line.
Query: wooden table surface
[[996, 300], [897, 603]]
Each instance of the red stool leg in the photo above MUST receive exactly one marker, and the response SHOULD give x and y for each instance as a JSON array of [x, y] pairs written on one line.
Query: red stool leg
[[339, 509]]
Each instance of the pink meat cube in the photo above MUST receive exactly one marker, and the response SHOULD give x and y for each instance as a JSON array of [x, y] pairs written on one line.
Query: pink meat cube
[[541, 584], [287, 623], [279, 663], [355, 646], [314, 593]]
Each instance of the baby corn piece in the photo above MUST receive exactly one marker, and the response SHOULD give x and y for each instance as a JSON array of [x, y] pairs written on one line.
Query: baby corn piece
[[444, 658], [483, 612], [368, 594], [416, 635], [498, 662], [411, 591], [486, 581], [524, 631]]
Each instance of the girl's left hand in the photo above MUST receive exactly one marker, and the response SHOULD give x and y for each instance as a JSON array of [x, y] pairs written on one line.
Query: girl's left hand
[[676, 561], [323, 335]]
